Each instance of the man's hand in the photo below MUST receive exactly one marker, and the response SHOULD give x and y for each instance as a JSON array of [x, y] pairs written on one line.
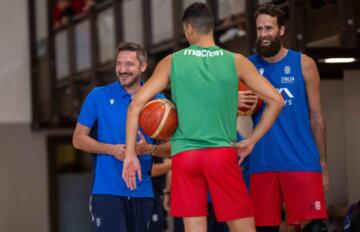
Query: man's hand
[[118, 151], [131, 168], [166, 202], [243, 149], [247, 99], [142, 147]]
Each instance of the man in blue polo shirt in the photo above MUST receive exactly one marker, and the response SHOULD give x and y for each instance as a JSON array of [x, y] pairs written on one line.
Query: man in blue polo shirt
[[114, 207]]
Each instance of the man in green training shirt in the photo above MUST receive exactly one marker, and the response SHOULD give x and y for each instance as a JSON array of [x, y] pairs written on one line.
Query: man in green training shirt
[[204, 84]]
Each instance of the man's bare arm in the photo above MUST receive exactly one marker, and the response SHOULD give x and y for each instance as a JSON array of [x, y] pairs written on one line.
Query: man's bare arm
[[161, 168], [83, 141], [318, 128], [161, 150], [263, 88], [158, 150]]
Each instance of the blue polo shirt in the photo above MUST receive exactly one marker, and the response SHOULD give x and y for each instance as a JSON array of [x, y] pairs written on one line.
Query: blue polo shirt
[[106, 108]]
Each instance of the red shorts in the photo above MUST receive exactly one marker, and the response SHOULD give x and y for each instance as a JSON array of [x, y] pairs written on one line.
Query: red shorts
[[195, 173], [302, 193]]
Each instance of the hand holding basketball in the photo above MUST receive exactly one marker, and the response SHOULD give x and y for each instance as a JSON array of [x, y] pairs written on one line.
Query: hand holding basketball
[[142, 147], [248, 102]]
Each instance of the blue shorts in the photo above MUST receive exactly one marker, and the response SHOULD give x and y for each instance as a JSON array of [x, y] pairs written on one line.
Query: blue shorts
[[114, 213]]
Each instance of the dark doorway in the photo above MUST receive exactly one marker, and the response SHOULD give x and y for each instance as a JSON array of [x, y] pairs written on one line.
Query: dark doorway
[[70, 180]]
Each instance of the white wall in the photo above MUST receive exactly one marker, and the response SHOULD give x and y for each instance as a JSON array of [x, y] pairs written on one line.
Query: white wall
[[14, 62], [133, 21], [23, 170], [161, 29], [352, 132], [332, 99], [41, 18], [23, 180]]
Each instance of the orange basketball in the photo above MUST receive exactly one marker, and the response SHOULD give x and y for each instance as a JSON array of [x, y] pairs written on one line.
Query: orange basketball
[[158, 119], [244, 111]]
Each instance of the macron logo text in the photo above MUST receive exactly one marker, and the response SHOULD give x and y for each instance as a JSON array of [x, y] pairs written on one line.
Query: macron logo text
[[203, 53]]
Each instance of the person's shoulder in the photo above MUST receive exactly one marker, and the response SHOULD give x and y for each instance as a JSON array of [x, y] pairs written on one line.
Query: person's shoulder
[[93, 91], [92, 95], [309, 68], [253, 57], [307, 62], [240, 57], [103, 89], [168, 57], [165, 63], [180, 52], [110, 86]]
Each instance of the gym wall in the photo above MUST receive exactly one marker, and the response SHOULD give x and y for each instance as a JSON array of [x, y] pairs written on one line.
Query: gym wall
[[23, 171]]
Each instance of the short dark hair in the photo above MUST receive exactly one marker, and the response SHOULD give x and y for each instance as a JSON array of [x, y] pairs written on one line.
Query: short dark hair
[[272, 10], [130, 46], [200, 16]]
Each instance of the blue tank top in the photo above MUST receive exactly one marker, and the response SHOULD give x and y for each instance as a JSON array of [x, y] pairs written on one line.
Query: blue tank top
[[289, 145]]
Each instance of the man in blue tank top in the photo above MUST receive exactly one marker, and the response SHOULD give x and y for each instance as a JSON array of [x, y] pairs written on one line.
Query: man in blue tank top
[[113, 206], [288, 165]]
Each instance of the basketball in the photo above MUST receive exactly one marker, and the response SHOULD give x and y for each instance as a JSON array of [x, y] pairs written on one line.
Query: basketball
[[244, 111], [158, 119]]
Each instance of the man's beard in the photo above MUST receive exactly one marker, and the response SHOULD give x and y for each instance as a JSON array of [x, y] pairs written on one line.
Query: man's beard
[[134, 80], [270, 50]]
